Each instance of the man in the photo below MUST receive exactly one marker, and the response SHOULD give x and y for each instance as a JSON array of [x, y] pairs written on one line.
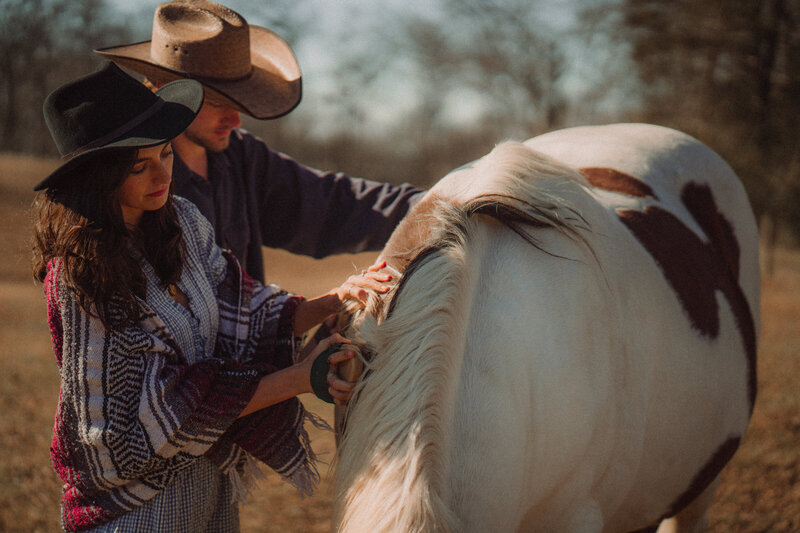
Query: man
[[253, 195]]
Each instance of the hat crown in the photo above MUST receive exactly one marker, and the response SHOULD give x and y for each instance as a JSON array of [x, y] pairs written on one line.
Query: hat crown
[[108, 109], [88, 110], [201, 38]]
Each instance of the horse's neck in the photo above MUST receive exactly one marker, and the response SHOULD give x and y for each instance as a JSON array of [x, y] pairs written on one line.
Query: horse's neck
[[413, 233]]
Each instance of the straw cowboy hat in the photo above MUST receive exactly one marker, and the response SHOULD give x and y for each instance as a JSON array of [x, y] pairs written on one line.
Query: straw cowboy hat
[[247, 68], [108, 109]]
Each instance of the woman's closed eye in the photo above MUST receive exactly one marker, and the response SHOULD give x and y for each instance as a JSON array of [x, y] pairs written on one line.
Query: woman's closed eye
[[138, 168], [141, 165]]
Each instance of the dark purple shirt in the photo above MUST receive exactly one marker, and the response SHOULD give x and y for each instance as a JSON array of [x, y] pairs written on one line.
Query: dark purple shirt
[[257, 197]]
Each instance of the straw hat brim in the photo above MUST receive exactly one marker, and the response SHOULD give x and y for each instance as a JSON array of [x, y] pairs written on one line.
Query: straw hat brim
[[182, 102], [272, 89]]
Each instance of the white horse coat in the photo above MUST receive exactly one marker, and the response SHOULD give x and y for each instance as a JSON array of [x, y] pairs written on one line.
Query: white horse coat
[[597, 381]]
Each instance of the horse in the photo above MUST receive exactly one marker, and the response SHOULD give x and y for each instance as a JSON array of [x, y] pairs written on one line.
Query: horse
[[571, 345]]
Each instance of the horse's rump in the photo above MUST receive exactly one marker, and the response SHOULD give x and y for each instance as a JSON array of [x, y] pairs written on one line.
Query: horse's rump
[[569, 371]]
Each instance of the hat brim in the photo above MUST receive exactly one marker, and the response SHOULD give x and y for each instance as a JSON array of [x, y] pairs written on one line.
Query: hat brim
[[272, 89], [182, 101]]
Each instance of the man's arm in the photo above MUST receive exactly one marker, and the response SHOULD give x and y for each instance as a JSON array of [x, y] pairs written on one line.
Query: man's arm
[[316, 213]]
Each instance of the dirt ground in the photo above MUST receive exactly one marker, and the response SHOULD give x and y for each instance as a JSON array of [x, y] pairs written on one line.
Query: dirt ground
[[760, 489]]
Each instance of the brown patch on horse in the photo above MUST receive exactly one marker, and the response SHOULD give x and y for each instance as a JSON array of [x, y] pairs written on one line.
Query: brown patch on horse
[[700, 203], [701, 481], [612, 180], [707, 474], [696, 269]]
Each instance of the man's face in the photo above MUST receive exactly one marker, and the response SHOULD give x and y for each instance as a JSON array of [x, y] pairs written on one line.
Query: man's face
[[212, 127]]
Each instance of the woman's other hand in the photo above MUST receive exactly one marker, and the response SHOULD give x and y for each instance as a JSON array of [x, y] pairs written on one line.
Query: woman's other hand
[[338, 388]]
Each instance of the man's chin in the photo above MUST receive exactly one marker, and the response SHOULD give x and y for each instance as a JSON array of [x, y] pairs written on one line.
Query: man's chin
[[215, 143], [218, 145]]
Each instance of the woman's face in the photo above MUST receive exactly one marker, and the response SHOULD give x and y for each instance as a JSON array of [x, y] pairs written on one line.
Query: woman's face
[[146, 188]]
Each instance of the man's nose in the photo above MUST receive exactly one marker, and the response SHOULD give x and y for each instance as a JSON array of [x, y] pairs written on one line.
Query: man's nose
[[232, 118]]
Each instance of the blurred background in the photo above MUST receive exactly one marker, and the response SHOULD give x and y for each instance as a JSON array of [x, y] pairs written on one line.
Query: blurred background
[[404, 91]]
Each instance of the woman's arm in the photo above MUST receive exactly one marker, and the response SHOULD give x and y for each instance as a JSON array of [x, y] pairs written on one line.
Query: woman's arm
[[289, 382]]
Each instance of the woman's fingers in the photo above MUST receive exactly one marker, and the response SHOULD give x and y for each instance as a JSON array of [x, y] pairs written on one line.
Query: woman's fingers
[[372, 281], [375, 278], [335, 383], [343, 355], [339, 389], [376, 275], [354, 291], [377, 266], [331, 324], [374, 272], [327, 342], [358, 286], [348, 291]]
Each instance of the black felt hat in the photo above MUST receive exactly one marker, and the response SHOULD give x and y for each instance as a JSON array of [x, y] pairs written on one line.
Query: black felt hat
[[109, 109]]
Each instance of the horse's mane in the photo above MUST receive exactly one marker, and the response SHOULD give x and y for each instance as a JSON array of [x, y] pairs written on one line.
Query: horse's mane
[[391, 465]]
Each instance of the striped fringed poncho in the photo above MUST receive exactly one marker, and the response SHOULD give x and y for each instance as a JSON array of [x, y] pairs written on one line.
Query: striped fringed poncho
[[135, 410]]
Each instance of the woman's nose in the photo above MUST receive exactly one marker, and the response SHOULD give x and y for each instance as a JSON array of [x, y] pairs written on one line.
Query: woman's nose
[[164, 172]]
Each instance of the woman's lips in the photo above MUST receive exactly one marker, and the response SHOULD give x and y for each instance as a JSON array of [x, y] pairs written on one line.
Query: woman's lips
[[159, 193]]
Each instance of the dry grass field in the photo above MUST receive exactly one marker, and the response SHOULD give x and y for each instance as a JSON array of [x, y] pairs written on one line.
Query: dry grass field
[[760, 490]]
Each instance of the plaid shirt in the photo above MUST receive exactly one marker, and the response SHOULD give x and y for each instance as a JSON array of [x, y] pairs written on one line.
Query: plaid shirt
[[140, 404]]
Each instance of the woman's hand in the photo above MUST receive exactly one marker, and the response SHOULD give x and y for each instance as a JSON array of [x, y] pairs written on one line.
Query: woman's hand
[[312, 312], [356, 286], [338, 388]]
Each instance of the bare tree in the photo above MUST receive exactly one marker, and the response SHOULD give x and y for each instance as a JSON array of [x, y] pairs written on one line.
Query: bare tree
[[727, 72], [25, 58], [42, 44], [515, 56]]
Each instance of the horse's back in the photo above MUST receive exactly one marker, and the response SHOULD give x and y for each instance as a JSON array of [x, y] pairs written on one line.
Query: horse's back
[[595, 382]]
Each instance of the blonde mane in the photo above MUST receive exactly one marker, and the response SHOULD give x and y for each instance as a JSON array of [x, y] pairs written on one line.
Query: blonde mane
[[391, 472]]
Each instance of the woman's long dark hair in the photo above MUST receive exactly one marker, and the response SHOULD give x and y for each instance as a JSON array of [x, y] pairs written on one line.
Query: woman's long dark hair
[[80, 220]]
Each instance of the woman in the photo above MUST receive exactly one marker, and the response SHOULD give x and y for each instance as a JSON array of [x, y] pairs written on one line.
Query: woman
[[177, 369]]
